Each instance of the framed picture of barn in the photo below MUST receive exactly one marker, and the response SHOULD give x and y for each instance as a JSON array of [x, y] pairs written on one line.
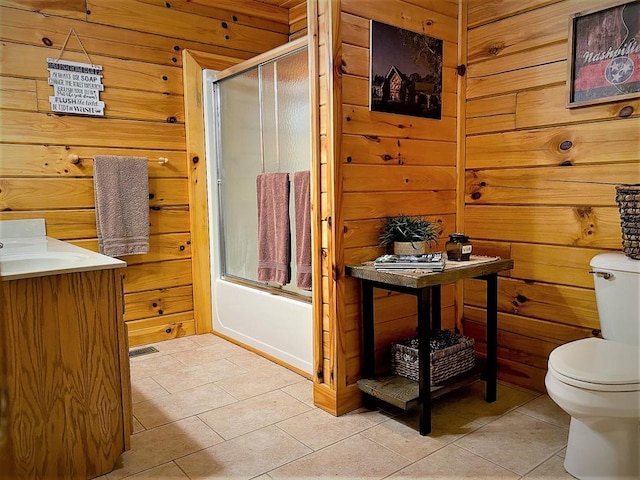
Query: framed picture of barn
[[604, 55], [406, 72]]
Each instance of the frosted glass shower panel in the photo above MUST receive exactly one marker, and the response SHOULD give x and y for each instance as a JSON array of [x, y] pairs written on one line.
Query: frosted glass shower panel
[[269, 112], [264, 126], [293, 115], [240, 149], [285, 113]]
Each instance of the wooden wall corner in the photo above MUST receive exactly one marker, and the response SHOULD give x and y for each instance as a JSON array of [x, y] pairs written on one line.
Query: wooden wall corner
[[334, 402]]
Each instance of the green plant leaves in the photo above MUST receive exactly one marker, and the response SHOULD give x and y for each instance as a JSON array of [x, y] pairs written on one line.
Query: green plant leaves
[[405, 228]]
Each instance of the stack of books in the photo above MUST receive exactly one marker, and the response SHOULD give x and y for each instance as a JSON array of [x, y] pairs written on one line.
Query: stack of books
[[433, 262]]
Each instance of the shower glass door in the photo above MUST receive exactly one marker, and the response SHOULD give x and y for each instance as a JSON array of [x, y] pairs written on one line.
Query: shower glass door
[[263, 126]]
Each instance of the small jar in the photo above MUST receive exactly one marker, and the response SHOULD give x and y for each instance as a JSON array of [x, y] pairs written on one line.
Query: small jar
[[458, 247]]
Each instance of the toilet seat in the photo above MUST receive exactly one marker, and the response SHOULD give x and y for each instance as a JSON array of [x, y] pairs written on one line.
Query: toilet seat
[[597, 364]]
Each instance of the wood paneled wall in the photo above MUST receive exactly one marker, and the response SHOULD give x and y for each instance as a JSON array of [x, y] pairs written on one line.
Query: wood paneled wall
[[525, 177], [375, 165], [139, 43], [540, 180], [505, 180]]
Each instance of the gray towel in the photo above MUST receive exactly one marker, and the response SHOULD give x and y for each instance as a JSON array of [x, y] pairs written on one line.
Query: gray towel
[[274, 243], [302, 201], [122, 204]]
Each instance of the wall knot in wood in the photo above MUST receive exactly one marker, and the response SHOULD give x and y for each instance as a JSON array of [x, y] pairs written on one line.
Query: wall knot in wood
[[495, 49]]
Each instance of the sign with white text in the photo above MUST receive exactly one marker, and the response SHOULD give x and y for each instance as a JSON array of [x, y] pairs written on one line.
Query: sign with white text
[[76, 87]]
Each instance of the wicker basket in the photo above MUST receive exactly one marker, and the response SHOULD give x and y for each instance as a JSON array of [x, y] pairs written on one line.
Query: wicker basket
[[628, 199], [451, 355]]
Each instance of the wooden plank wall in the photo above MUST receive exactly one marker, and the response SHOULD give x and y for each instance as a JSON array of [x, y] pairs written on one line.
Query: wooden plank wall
[[375, 165], [539, 180], [139, 44]]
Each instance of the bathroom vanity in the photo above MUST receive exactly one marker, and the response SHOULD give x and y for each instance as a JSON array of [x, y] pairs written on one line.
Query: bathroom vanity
[[65, 395]]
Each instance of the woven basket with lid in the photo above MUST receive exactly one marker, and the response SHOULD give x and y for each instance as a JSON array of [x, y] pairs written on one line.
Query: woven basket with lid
[[451, 355], [628, 200]]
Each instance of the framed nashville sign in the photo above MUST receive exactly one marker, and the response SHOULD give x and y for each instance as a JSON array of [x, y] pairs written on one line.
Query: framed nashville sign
[[604, 55]]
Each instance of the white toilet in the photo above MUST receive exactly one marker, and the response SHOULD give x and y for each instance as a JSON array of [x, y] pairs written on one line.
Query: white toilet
[[597, 381]]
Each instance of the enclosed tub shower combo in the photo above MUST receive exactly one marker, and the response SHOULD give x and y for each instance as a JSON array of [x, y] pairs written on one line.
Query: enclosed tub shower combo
[[258, 143]]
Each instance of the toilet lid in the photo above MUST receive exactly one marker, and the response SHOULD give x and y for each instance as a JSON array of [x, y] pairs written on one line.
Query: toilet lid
[[597, 364]]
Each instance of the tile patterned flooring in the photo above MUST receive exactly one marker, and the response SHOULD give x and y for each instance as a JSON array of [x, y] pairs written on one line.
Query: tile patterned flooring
[[206, 408]]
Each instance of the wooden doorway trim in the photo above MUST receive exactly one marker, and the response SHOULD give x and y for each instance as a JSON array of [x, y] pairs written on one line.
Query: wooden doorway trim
[[193, 63]]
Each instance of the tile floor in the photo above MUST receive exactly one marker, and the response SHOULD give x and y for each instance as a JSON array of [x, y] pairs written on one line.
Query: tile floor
[[206, 408]]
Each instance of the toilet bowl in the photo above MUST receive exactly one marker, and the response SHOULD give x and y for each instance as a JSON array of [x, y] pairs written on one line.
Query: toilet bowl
[[597, 381]]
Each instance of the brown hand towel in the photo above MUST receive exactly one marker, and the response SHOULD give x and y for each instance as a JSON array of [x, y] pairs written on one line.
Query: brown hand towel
[[122, 204], [302, 202], [274, 250]]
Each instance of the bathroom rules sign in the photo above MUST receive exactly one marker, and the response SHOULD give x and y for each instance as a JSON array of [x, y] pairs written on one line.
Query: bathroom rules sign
[[76, 87]]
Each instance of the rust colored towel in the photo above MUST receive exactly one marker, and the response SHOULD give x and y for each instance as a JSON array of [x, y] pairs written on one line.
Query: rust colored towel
[[274, 244], [122, 204], [302, 202]]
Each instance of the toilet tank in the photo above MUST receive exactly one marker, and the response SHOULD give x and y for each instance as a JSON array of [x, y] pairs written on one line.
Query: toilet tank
[[617, 285]]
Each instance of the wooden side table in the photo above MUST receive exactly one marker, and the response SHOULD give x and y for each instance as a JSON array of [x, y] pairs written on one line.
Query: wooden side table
[[426, 287]]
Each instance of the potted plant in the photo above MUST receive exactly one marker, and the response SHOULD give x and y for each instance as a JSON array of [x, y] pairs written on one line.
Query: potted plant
[[408, 235]]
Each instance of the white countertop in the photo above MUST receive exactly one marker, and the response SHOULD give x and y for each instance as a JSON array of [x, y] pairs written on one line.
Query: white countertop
[[36, 255]]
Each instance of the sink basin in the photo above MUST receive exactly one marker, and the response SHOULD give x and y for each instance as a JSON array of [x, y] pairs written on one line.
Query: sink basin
[[18, 262], [23, 242], [27, 252], [39, 256]]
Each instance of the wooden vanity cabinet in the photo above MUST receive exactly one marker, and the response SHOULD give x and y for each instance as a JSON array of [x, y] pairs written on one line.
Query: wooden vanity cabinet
[[66, 385]]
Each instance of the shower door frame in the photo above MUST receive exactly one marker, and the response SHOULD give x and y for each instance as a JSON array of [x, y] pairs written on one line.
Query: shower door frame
[[214, 77]]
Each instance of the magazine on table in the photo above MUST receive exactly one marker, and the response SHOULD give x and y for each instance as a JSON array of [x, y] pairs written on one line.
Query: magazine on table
[[433, 261]]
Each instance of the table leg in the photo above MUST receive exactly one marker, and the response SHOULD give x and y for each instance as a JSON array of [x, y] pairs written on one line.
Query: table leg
[[492, 337], [424, 350], [436, 307], [368, 339]]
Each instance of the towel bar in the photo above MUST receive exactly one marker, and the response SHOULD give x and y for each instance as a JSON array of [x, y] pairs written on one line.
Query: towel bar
[[75, 159]]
